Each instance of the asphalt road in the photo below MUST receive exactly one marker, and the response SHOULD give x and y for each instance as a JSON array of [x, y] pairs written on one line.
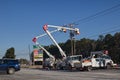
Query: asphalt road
[[35, 74]]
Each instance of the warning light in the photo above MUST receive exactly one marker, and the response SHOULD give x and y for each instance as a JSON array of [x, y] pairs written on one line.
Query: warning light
[[106, 52], [34, 40], [77, 31], [63, 29]]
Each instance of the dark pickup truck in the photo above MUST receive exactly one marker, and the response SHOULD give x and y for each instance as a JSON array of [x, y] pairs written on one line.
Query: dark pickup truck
[[9, 65]]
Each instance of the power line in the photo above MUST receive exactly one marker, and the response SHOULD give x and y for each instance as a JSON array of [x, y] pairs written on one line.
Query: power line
[[94, 16], [101, 13]]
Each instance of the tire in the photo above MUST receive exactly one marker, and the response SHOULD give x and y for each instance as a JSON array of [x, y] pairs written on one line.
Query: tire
[[11, 71]]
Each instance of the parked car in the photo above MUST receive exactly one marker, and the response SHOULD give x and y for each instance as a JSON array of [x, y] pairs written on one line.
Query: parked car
[[9, 65]]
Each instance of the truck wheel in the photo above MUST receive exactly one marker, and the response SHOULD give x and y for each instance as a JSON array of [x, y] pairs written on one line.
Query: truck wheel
[[89, 68], [11, 71]]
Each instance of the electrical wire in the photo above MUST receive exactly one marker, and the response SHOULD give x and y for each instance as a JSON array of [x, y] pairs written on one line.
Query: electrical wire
[[101, 13], [96, 15]]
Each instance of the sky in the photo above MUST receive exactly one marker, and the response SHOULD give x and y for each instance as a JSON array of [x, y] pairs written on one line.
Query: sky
[[22, 20]]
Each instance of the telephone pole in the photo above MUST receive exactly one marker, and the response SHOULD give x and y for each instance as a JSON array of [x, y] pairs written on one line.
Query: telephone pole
[[72, 41], [30, 54]]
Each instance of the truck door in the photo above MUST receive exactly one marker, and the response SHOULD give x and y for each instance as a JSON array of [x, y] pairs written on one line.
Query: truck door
[[3, 65], [96, 61]]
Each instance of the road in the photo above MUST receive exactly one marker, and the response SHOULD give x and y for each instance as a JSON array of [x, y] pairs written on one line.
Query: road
[[35, 74]]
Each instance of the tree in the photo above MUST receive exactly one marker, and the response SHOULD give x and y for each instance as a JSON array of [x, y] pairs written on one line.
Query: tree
[[100, 43], [10, 53], [67, 47], [115, 49], [85, 46], [108, 41]]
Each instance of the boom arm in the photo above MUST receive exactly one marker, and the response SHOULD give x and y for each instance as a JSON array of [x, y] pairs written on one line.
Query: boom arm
[[35, 41], [46, 33], [45, 27]]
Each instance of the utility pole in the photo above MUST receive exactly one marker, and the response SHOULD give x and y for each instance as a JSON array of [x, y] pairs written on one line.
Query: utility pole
[[71, 38], [30, 54], [74, 44]]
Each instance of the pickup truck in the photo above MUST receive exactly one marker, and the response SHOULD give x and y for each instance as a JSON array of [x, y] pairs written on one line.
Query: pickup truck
[[9, 65]]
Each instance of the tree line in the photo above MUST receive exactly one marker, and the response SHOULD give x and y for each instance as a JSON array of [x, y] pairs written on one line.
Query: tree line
[[84, 46]]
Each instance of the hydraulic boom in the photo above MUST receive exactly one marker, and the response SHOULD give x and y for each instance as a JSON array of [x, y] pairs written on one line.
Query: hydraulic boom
[[59, 28]]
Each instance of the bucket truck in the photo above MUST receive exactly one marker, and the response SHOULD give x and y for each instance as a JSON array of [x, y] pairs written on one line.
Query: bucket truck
[[100, 59], [68, 62]]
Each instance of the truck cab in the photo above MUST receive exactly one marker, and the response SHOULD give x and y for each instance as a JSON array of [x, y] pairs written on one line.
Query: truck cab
[[74, 61]]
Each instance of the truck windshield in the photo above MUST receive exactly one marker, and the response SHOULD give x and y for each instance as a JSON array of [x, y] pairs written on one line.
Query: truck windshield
[[106, 57], [11, 61]]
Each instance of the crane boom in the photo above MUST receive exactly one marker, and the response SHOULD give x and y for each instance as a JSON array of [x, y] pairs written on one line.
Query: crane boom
[[46, 34], [51, 56], [64, 28], [38, 44], [60, 28], [61, 51]]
